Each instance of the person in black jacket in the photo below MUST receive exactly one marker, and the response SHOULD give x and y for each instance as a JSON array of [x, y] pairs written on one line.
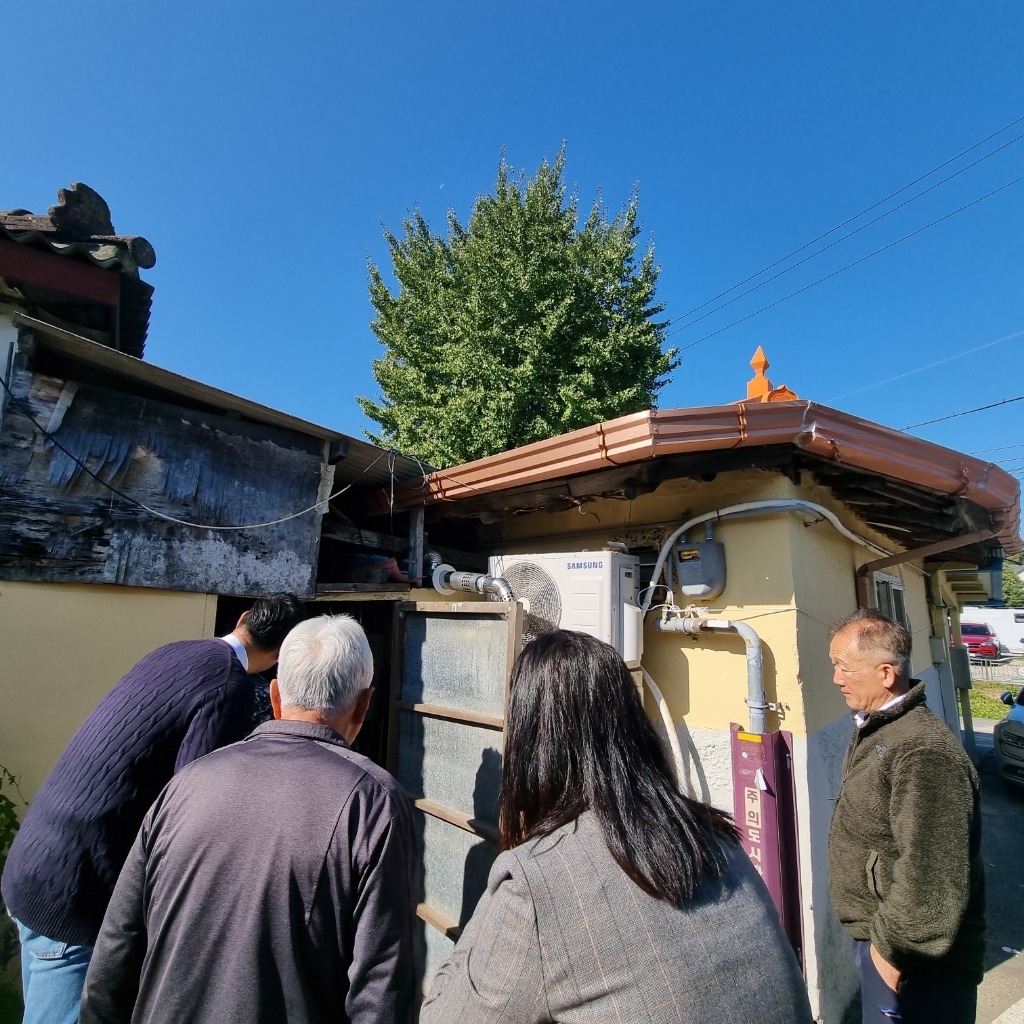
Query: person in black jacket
[[177, 704], [272, 881], [904, 847]]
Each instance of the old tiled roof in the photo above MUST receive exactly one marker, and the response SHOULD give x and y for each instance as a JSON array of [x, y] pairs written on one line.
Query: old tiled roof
[[79, 227]]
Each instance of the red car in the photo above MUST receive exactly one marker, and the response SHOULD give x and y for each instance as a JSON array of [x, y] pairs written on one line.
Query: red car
[[979, 639]]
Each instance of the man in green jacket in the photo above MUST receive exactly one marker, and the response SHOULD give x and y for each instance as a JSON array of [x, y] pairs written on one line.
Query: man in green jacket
[[904, 847]]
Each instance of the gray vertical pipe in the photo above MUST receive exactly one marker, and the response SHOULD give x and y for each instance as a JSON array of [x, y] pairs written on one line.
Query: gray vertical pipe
[[756, 703]]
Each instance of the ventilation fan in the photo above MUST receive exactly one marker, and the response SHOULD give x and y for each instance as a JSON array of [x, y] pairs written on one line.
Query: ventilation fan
[[542, 603]]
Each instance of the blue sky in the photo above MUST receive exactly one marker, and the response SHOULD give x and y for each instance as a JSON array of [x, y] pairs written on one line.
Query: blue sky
[[260, 147]]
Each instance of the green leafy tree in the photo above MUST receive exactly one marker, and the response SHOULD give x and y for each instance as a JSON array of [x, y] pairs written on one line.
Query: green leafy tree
[[1013, 585], [522, 324]]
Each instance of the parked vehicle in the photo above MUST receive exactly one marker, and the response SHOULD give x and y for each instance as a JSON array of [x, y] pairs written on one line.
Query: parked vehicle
[[980, 640], [1008, 741], [1006, 623]]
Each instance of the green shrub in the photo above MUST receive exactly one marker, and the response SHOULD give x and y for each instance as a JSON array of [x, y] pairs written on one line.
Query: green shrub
[[10, 991]]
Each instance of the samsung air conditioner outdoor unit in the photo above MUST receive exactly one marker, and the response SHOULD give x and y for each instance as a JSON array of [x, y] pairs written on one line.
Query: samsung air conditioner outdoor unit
[[591, 592]]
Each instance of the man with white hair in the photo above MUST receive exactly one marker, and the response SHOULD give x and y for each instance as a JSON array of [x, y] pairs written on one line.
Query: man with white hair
[[273, 880]]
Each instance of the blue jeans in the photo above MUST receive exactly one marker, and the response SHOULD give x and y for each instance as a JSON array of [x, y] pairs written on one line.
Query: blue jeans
[[52, 976]]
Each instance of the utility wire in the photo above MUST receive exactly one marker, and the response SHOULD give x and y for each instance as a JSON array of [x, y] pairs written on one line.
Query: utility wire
[[966, 412], [842, 238], [1004, 448], [849, 220], [849, 266], [154, 512], [928, 366]]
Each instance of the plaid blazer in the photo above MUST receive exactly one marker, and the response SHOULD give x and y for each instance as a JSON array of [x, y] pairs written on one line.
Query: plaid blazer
[[563, 934]]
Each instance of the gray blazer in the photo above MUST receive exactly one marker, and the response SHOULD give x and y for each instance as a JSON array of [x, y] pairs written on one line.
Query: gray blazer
[[563, 934]]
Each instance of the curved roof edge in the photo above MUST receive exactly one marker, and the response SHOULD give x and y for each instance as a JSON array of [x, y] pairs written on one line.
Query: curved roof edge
[[817, 429]]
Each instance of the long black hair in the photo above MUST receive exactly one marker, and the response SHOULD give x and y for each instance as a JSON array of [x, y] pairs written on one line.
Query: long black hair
[[577, 738]]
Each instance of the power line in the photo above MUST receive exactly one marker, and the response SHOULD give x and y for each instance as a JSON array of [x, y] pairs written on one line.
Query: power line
[[966, 412], [928, 366], [842, 238], [850, 220], [849, 266], [1003, 448]]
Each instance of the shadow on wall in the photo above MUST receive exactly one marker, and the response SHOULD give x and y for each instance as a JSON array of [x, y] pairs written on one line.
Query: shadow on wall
[[482, 855]]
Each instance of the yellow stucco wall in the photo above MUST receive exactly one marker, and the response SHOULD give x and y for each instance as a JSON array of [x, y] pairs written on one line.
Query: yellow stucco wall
[[705, 681], [824, 576], [64, 645], [789, 576]]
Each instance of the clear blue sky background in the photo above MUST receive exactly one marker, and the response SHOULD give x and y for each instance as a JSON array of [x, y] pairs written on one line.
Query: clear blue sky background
[[260, 147]]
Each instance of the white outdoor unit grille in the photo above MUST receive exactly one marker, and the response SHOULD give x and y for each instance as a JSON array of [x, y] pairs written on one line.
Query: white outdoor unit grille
[[591, 592]]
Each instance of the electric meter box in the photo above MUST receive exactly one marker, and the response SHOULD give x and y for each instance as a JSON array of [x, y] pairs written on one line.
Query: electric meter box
[[700, 569]]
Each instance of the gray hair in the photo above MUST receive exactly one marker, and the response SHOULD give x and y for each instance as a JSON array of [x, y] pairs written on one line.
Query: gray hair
[[879, 633], [325, 663]]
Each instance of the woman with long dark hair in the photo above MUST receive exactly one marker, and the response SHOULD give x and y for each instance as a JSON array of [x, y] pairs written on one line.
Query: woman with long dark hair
[[615, 898]]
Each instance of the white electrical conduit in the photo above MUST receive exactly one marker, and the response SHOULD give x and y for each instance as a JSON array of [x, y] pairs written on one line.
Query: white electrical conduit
[[751, 508], [670, 726]]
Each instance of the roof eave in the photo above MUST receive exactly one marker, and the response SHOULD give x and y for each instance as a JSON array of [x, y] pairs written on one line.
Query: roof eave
[[817, 429]]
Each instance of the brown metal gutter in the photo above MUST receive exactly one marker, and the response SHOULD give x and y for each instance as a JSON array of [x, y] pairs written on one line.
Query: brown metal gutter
[[827, 433]]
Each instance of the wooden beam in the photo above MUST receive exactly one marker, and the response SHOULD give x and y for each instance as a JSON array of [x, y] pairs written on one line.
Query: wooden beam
[[440, 922], [59, 273], [416, 517], [453, 714], [466, 822], [365, 538], [326, 589]]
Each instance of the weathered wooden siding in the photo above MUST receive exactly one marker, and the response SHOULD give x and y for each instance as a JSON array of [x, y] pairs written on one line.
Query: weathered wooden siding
[[59, 524]]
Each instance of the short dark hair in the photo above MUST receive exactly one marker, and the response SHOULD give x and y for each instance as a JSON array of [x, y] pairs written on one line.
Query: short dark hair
[[577, 738], [271, 619], [880, 633]]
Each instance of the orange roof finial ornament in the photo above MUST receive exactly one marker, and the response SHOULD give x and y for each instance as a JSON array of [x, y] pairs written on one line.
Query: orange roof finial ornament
[[759, 387]]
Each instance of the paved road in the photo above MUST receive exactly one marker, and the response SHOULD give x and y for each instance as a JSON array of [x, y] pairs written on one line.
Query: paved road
[[1001, 996]]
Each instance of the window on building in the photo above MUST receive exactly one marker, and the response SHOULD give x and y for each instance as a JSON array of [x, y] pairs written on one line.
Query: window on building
[[891, 598]]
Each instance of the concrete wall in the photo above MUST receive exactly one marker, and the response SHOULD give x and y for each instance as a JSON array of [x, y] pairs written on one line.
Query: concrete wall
[[64, 646]]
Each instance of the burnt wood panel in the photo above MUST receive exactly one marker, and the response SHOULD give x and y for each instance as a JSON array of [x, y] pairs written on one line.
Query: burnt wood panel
[[60, 524]]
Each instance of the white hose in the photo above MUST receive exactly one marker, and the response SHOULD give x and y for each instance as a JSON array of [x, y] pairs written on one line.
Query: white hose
[[670, 726]]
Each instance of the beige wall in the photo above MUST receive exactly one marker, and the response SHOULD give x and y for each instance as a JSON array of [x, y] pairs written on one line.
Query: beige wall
[[64, 645]]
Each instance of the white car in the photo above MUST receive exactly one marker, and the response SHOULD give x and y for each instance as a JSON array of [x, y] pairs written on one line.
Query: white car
[[1008, 741]]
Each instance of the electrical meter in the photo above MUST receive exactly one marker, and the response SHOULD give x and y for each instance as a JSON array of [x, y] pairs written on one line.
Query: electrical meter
[[700, 569]]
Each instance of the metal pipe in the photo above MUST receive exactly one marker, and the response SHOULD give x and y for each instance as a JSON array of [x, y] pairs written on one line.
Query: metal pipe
[[747, 508], [447, 580], [756, 704]]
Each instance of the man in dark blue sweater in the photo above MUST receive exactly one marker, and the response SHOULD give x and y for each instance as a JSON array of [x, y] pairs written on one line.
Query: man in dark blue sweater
[[178, 703]]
